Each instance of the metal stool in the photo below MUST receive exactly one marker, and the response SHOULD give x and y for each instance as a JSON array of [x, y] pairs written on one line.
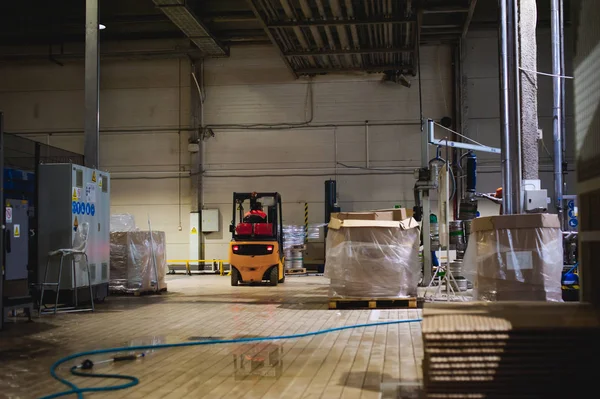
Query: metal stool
[[79, 250]]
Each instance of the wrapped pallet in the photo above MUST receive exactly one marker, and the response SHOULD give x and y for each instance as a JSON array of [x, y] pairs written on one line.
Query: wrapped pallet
[[370, 255], [132, 261], [515, 258]]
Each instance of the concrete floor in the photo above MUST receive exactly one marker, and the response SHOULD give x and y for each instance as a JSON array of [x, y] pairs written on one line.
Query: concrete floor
[[358, 363]]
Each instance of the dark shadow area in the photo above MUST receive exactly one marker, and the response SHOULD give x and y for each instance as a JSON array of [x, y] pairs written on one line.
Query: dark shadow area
[[369, 381], [21, 327], [25, 348]]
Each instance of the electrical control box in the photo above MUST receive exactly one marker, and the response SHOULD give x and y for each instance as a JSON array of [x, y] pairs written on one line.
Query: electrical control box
[[210, 220], [536, 200], [70, 195]]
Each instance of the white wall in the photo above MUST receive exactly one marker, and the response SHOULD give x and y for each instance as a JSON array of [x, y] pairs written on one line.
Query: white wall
[[142, 103], [254, 86], [481, 73]]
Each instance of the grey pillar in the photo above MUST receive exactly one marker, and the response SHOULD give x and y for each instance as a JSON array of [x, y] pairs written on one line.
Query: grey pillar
[[92, 86], [527, 12], [197, 123]]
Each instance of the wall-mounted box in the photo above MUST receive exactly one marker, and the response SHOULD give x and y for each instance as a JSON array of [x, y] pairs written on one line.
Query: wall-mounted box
[[210, 221]]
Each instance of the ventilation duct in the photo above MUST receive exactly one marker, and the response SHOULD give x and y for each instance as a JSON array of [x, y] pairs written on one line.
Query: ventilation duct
[[180, 14]]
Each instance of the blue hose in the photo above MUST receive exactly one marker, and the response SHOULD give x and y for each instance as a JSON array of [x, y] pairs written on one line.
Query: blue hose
[[133, 381]]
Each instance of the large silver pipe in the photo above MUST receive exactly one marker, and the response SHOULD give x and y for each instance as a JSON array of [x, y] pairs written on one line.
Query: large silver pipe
[[516, 170], [557, 109], [507, 204], [563, 89]]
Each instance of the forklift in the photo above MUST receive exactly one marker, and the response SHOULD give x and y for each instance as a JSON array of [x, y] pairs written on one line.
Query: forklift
[[256, 248]]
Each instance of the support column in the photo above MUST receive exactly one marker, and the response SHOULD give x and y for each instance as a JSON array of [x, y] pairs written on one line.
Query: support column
[[518, 99], [527, 43], [197, 123], [92, 86]]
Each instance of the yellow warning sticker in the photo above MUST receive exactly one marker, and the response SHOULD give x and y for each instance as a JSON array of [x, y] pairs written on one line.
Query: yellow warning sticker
[[194, 231], [75, 196], [17, 231], [75, 222], [94, 176], [100, 182]]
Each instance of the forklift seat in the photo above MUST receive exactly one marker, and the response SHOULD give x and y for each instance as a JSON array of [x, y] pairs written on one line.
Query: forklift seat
[[244, 229], [263, 229]]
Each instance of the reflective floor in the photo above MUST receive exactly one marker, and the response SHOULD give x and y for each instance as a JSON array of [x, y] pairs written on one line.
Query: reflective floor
[[376, 362]]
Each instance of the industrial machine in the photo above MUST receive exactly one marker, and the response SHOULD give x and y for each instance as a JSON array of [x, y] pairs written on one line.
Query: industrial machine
[[72, 195], [18, 196], [256, 248]]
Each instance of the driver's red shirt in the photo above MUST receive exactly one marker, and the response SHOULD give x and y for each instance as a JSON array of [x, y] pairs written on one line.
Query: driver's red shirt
[[256, 212]]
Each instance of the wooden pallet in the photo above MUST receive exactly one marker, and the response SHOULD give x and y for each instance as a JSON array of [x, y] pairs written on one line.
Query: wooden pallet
[[374, 303], [300, 270]]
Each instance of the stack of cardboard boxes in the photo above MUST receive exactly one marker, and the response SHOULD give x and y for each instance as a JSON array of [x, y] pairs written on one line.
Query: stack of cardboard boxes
[[373, 255], [132, 261], [515, 258]]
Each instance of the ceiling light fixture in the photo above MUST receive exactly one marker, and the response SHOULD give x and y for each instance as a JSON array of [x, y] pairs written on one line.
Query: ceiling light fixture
[[101, 27]]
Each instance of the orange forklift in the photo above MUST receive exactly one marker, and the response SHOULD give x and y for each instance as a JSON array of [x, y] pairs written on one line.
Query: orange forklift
[[256, 248]]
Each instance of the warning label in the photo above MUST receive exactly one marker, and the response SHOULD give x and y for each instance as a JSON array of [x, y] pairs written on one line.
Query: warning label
[[75, 224], [94, 177], [194, 231], [8, 214], [17, 231], [76, 194]]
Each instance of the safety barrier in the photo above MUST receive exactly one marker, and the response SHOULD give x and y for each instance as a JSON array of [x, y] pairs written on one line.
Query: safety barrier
[[187, 262]]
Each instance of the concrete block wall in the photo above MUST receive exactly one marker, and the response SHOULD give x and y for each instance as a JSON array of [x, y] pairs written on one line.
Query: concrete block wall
[[142, 105], [481, 75], [255, 87]]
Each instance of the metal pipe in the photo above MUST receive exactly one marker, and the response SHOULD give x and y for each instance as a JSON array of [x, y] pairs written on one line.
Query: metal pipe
[[367, 144], [557, 109], [563, 90], [515, 137], [92, 86], [507, 187]]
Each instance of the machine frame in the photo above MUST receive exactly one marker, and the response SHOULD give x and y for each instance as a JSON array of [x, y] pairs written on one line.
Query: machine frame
[[249, 255]]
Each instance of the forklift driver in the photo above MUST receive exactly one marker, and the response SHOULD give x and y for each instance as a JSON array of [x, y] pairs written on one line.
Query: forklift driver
[[256, 214]]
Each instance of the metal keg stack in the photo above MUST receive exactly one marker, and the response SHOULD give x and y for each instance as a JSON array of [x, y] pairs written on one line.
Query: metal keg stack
[[293, 246], [458, 242]]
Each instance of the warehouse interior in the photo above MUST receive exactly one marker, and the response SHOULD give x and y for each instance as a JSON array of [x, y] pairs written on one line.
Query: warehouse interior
[[299, 198]]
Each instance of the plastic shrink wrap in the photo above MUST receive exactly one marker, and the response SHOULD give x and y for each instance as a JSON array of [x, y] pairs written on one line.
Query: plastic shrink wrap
[[515, 258], [133, 255], [372, 258], [122, 222]]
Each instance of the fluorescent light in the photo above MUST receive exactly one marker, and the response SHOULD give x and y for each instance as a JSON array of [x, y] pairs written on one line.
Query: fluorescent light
[[101, 27]]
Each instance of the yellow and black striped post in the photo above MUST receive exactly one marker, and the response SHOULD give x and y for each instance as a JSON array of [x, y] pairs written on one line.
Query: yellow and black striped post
[[305, 221]]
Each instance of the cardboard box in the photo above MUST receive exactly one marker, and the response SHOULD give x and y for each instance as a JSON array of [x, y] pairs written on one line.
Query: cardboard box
[[398, 214], [371, 257], [515, 257]]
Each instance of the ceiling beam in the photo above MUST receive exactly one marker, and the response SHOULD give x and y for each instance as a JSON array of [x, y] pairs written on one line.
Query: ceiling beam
[[341, 22], [348, 51], [364, 68], [472, 5], [270, 35], [445, 10]]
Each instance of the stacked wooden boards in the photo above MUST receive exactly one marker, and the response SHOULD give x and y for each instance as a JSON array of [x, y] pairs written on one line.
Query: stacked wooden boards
[[510, 350]]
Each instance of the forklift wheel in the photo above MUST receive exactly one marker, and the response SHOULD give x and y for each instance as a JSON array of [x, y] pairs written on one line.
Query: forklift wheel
[[273, 276], [235, 276], [282, 279]]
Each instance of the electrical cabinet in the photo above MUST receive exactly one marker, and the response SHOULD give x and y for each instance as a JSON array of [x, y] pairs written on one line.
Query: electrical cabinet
[[69, 196], [210, 220], [16, 248]]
